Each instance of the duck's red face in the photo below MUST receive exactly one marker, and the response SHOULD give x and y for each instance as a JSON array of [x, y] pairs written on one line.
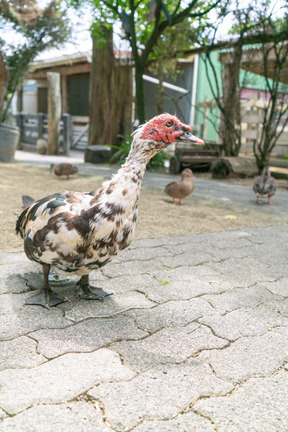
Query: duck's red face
[[168, 129]]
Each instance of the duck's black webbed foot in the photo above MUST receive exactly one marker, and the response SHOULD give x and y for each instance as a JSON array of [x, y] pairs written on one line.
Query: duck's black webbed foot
[[46, 297], [85, 291]]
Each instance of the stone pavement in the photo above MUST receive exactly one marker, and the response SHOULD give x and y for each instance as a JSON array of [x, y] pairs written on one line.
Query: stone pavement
[[194, 339]]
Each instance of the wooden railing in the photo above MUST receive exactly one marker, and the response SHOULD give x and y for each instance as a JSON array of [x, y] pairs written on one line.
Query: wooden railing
[[73, 130], [251, 125], [252, 120]]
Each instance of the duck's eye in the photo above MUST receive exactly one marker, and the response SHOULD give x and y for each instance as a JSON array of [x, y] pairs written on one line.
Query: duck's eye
[[169, 123]]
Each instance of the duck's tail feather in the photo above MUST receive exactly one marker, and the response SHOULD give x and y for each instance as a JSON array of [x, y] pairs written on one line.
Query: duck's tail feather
[[27, 201], [21, 221]]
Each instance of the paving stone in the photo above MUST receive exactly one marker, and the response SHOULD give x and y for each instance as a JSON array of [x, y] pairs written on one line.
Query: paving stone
[[278, 270], [244, 322], [240, 298], [116, 269], [230, 240], [59, 380], [71, 417], [19, 353], [279, 287], [185, 273], [147, 243], [167, 290], [125, 284], [259, 405], [183, 244], [11, 282], [171, 314], [140, 253], [95, 333], [186, 258], [167, 346], [192, 294], [280, 306], [158, 394], [112, 305], [249, 356], [189, 422], [17, 319], [242, 272]]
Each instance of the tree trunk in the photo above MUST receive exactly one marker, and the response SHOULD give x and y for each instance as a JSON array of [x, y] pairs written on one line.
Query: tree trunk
[[160, 101], [54, 112], [121, 102], [231, 122], [140, 98], [101, 86]]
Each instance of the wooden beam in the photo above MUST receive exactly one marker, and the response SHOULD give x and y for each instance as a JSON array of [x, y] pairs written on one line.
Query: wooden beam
[[54, 112], [63, 70], [64, 93]]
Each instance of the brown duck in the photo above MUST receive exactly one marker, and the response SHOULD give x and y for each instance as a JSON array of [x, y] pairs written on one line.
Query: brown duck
[[63, 169], [181, 188]]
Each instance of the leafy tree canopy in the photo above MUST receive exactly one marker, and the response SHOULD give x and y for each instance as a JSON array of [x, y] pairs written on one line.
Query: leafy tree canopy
[[144, 23], [35, 30]]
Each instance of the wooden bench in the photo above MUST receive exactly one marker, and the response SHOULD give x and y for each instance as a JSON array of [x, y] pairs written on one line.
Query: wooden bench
[[187, 155]]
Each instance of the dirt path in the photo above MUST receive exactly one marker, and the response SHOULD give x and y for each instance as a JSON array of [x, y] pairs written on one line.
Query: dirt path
[[157, 215]]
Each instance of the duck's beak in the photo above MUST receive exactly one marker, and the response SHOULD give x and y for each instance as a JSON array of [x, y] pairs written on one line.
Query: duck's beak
[[188, 137]]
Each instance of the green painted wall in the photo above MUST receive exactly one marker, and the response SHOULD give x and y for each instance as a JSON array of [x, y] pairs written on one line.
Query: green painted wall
[[203, 90]]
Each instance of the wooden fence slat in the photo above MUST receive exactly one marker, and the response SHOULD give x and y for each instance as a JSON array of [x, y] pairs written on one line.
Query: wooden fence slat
[[251, 118], [249, 133]]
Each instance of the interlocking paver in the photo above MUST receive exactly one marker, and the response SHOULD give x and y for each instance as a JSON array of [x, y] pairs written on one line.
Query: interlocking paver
[[169, 345], [245, 322], [12, 353], [248, 357], [158, 394], [94, 333], [184, 422], [194, 338], [69, 417], [259, 405], [59, 380]]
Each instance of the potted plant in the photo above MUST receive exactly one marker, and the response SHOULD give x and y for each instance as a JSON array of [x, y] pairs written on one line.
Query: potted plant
[[36, 30]]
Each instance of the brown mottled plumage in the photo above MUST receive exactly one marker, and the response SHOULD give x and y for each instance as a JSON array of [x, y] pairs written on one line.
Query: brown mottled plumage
[[181, 188], [75, 233], [63, 169]]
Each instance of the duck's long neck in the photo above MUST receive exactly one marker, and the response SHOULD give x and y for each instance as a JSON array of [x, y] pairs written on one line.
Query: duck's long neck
[[124, 187], [129, 179]]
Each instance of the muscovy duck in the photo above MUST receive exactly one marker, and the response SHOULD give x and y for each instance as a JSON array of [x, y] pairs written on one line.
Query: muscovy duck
[[181, 188], [264, 186], [76, 233]]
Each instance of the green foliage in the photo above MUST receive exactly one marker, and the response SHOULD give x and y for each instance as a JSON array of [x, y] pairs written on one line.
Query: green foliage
[[122, 150], [221, 168], [143, 25], [37, 30], [119, 157], [98, 31], [157, 162]]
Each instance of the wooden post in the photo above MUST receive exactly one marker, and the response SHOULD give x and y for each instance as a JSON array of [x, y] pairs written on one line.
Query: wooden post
[[40, 125], [54, 112], [65, 107], [67, 124]]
